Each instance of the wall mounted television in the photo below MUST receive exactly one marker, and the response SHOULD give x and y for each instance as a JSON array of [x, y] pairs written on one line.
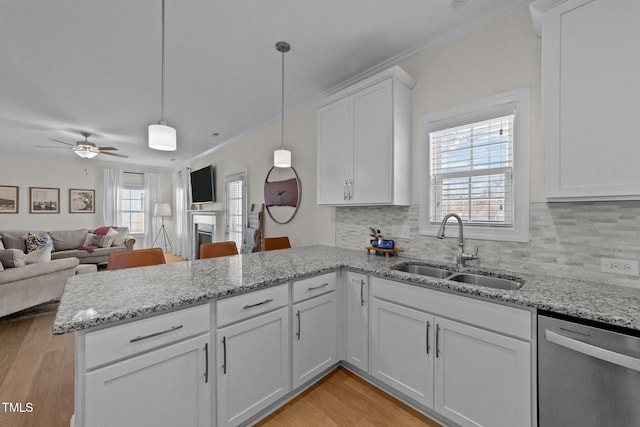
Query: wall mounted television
[[203, 185]]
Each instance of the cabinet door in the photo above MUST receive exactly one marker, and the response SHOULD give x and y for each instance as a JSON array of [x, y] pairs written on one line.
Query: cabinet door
[[357, 320], [373, 145], [253, 367], [165, 387], [314, 337], [402, 349], [335, 153], [481, 378], [590, 71]]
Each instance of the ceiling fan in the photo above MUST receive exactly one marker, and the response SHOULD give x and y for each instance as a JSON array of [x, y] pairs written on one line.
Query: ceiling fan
[[86, 149]]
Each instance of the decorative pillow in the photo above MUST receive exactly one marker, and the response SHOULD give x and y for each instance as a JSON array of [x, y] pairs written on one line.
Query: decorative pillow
[[37, 240], [14, 240], [107, 239], [12, 258], [93, 240], [121, 238], [39, 255], [102, 231]]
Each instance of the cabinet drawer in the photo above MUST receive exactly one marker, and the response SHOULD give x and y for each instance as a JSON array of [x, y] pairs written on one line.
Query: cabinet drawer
[[122, 341], [307, 288], [496, 317], [248, 305]]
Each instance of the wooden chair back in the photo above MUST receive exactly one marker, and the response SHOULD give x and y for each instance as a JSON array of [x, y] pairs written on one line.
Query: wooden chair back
[[272, 243], [216, 249], [135, 258]]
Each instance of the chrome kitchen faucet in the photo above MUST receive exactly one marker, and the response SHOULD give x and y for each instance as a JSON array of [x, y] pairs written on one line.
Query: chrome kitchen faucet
[[461, 256]]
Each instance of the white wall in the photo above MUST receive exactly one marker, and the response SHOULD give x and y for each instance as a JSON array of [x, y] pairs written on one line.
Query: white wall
[[254, 153], [498, 57], [64, 173]]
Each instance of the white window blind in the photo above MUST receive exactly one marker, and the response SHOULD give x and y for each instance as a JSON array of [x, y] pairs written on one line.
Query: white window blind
[[235, 207], [471, 169]]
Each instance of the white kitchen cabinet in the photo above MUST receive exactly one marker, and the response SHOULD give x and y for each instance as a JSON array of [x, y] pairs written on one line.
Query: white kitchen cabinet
[[357, 319], [364, 145], [423, 346], [402, 352], [253, 365], [314, 337], [168, 387], [481, 378], [590, 92]]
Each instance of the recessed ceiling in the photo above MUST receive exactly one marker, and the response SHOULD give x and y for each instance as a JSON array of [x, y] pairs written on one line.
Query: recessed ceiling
[[88, 65]]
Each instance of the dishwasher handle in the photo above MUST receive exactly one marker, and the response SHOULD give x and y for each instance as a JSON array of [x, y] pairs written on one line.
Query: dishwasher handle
[[593, 351]]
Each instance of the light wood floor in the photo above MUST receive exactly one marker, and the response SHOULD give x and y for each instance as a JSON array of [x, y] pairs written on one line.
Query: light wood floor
[[343, 399], [36, 367]]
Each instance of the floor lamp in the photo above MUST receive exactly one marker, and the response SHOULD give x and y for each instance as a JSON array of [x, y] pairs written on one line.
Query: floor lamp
[[162, 210]]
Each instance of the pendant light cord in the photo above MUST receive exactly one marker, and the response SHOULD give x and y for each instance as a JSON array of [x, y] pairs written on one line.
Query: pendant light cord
[[282, 120], [162, 72]]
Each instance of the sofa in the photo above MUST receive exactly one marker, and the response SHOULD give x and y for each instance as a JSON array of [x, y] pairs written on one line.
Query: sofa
[[73, 243], [29, 285]]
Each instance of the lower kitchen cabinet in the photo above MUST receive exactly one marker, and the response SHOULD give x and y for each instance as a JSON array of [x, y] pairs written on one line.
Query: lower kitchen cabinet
[[314, 337], [165, 387], [253, 366], [357, 319], [481, 378], [402, 352]]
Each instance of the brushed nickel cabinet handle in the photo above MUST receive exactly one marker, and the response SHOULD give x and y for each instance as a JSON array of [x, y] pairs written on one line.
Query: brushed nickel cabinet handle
[[206, 362], [155, 334], [313, 288], [361, 292], [428, 327], [437, 340], [298, 333], [257, 304], [224, 355]]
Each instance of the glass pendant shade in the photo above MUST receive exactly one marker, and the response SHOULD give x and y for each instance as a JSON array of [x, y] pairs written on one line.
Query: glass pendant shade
[[282, 158], [86, 154], [162, 137]]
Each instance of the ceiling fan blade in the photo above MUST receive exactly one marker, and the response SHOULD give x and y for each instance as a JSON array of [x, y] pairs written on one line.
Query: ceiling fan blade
[[107, 148], [61, 142], [49, 146], [115, 154]]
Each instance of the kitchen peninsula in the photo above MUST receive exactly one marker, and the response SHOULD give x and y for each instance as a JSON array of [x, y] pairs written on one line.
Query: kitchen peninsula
[[163, 344]]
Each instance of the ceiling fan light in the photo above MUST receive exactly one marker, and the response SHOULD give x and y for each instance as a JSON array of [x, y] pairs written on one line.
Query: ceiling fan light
[[162, 137], [86, 154]]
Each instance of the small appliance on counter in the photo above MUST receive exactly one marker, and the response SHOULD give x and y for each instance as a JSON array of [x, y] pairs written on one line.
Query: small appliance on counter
[[380, 245]]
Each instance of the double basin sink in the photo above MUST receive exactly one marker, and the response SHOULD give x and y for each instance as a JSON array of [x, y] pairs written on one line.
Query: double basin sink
[[468, 278]]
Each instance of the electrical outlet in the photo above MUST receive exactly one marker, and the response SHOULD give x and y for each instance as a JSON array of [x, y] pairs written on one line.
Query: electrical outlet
[[620, 266]]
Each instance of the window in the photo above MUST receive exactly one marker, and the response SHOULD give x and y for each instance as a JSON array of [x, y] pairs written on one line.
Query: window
[[132, 213], [477, 166], [235, 207]]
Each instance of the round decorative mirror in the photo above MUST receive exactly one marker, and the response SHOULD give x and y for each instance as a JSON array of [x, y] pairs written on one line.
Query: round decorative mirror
[[282, 194]]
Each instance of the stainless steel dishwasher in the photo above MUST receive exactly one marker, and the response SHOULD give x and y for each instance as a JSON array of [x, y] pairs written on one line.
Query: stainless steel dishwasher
[[587, 375]]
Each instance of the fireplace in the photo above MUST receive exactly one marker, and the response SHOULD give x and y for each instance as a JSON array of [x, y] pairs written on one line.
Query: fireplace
[[204, 231]]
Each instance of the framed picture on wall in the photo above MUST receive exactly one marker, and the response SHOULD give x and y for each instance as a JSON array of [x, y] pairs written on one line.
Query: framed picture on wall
[[44, 200], [8, 199], [82, 201]]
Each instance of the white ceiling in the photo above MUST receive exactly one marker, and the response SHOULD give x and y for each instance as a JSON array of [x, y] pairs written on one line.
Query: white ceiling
[[68, 66]]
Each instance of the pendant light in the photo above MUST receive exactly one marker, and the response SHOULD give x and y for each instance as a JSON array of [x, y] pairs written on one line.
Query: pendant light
[[161, 136], [282, 157]]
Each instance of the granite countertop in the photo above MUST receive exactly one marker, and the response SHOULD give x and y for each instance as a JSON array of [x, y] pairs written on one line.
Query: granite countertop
[[91, 300]]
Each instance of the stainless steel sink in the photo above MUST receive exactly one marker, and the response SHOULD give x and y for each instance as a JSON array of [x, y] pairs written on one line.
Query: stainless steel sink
[[424, 270], [486, 281]]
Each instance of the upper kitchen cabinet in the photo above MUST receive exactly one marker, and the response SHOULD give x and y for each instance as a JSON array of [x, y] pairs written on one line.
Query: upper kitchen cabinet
[[590, 65], [364, 142]]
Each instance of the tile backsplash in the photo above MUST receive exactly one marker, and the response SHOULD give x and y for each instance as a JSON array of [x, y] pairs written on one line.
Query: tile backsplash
[[566, 239]]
